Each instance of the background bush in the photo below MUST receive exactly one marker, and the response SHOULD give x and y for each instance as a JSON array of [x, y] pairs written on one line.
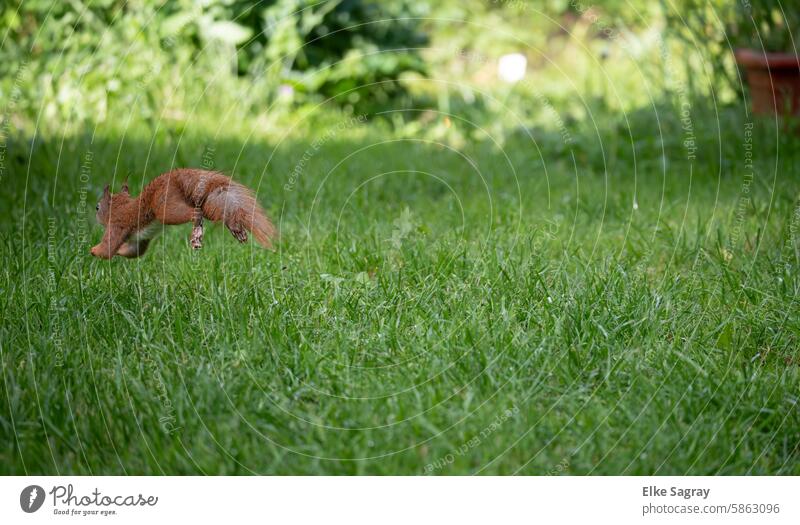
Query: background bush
[[69, 62], [81, 59]]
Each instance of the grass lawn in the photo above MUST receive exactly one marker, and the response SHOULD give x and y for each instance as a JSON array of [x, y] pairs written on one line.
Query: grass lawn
[[605, 306]]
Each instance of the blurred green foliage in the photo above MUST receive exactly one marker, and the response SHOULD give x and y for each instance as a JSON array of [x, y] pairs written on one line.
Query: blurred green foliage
[[714, 28], [349, 50], [764, 25], [79, 60]]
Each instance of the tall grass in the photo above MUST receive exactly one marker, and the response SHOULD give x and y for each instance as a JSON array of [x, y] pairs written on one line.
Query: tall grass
[[606, 308]]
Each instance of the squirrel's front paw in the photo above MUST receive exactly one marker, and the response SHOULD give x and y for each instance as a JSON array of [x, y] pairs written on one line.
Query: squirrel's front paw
[[196, 239]]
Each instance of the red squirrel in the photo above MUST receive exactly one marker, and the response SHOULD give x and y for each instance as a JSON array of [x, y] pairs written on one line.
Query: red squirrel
[[178, 197]]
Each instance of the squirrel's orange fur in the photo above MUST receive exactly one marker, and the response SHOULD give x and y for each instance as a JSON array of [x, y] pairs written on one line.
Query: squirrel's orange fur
[[177, 197]]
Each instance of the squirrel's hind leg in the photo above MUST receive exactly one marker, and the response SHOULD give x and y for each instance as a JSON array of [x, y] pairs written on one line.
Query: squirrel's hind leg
[[196, 238], [236, 228]]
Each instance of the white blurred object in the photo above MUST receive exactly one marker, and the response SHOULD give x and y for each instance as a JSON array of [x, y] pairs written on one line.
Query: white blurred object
[[285, 91], [511, 68]]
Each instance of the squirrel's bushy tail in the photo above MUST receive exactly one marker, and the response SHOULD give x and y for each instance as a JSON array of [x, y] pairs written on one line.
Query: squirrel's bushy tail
[[238, 208]]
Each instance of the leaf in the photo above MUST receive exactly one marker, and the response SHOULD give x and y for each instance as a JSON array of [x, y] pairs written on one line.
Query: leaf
[[362, 278], [173, 24], [328, 278], [405, 223], [725, 338], [228, 32]]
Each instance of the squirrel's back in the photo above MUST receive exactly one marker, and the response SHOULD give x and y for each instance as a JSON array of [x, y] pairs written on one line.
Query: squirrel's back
[[222, 199]]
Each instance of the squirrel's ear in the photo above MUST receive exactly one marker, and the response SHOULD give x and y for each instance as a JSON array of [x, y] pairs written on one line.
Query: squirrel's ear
[[125, 187], [105, 191]]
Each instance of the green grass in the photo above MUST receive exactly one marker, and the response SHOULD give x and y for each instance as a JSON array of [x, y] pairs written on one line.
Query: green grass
[[427, 311]]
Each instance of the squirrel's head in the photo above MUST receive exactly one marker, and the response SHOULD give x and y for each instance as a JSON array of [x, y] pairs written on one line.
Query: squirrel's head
[[109, 201]]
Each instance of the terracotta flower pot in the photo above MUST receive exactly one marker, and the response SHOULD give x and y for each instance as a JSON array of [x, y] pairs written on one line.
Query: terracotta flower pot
[[774, 80]]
